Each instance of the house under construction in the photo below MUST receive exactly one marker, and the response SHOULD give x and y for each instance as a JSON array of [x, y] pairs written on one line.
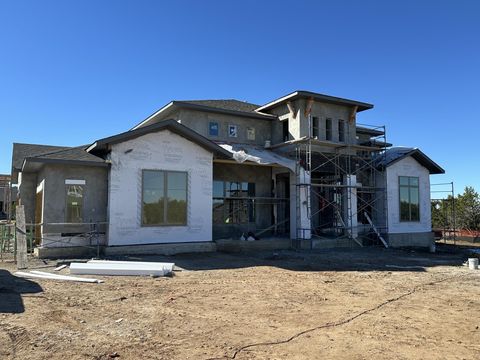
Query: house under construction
[[200, 174]]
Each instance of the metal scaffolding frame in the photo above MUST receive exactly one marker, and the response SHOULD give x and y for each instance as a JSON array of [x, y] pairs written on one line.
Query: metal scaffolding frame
[[449, 230], [346, 204]]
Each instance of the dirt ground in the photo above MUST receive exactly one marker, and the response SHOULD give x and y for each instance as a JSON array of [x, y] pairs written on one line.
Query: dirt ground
[[351, 304]]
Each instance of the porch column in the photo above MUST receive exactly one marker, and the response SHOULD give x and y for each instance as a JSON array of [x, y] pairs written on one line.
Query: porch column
[[350, 205], [300, 208]]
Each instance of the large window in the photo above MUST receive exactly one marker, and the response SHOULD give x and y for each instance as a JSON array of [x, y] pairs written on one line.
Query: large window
[[164, 198], [233, 203], [409, 198], [341, 130], [328, 129], [315, 127], [74, 213]]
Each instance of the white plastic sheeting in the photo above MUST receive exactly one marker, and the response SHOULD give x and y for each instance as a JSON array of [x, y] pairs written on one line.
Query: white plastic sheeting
[[257, 154]]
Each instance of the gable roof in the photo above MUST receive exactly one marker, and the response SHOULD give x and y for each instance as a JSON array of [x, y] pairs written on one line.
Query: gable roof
[[299, 94], [398, 153], [173, 126]]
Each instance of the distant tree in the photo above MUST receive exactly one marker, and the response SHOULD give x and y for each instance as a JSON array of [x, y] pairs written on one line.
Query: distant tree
[[468, 209]]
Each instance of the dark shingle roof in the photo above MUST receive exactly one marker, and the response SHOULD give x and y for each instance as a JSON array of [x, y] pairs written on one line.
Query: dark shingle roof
[[226, 104], [49, 153], [398, 153], [21, 151], [74, 154]]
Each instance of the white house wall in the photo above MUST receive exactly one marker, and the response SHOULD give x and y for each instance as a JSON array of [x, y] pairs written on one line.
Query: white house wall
[[163, 151], [408, 167]]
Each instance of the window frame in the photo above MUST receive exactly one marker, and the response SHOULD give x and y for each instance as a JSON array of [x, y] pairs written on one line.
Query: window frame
[[165, 205], [341, 131], [66, 203], [328, 129], [409, 199]]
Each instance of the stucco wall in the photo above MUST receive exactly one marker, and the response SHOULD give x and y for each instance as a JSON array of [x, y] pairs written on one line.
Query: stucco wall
[[199, 121], [94, 197], [163, 151], [52, 179], [298, 125], [408, 167]]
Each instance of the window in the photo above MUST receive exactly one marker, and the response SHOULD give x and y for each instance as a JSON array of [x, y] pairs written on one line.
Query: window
[[213, 128], [285, 132], [74, 211], [409, 198], [341, 130], [315, 128], [328, 129], [232, 203], [250, 133], [164, 197], [232, 131]]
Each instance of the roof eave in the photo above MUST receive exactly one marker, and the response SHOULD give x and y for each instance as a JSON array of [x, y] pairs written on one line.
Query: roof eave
[[326, 98], [171, 125]]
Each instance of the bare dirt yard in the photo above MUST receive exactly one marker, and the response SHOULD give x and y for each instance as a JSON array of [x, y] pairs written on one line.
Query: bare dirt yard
[[350, 304]]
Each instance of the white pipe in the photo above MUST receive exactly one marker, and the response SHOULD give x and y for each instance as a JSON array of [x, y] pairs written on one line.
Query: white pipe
[[40, 275]]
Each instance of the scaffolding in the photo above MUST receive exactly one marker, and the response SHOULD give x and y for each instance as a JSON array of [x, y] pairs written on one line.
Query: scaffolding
[[445, 207], [6, 199], [341, 187]]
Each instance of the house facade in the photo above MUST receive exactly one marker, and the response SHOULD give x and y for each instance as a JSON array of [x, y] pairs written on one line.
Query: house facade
[[196, 173]]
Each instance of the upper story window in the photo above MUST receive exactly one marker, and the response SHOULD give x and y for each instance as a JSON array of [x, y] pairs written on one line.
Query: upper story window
[[409, 198], [232, 131], [164, 198], [328, 129], [285, 132], [213, 128], [341, 130], [315, 127]]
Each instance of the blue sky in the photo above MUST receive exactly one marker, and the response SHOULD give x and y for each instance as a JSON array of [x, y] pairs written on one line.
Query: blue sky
[[75, 71]]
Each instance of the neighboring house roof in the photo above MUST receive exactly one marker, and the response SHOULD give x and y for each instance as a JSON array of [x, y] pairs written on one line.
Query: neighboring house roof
[[229, 107], [172, 125], [299, 94], [398, 153]]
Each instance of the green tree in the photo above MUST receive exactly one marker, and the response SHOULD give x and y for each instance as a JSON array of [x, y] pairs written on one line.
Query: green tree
[[468, 209]]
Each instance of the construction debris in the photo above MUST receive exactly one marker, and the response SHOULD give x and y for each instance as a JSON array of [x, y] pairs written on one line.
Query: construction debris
[[50, 276], [121, 268], [168, 266], [58, 268]]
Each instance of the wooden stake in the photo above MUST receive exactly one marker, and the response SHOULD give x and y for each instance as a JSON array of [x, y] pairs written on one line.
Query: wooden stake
[[21, 237]]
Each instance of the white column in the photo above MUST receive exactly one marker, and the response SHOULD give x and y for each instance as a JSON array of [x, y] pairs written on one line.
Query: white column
[[350, 205], [303, 191]]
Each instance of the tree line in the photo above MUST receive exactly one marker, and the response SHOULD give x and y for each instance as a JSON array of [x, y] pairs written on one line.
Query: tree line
[[464, 208]]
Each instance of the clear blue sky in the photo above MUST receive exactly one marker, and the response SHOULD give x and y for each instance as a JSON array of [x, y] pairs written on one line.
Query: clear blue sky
[[75, 71]]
